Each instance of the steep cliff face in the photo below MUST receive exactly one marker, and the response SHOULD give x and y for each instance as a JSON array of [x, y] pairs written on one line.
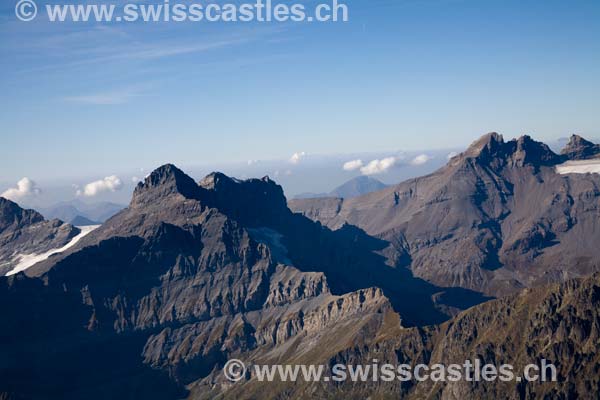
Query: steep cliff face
[[495, 219], [26, 232], [558, 323], [298, 330]]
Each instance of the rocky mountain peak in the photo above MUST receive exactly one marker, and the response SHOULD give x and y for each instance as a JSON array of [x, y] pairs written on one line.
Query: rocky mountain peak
[[256, 202], [252, 201], [491, 149], [217, 181], [529, 151], [578, 149], [488, 144], [267, 179], [164, 181], [11, 215]]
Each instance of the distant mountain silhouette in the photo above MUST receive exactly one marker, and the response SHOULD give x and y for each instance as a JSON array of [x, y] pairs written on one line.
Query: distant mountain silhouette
[[69, 210], [352, 188]]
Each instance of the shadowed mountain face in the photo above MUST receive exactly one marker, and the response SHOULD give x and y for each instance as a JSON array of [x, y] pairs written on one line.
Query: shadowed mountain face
[[187, 276], [497, 218], [25, 232]]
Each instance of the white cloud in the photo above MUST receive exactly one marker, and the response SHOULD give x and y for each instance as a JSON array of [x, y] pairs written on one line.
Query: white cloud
[[352, 165], [25, 188], [109, 184], [420, 159], [378, 166], [451, 154], [135, 179], [296, 157]]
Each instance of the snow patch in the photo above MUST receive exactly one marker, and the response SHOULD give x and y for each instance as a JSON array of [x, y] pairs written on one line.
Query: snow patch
[[28, 260], [579, 167]]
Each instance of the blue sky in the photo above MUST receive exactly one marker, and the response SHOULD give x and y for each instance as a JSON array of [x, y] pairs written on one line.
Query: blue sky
[[92, 99]]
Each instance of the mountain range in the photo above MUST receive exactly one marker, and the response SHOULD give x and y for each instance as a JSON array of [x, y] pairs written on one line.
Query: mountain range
[[497, 218], [153, 302]]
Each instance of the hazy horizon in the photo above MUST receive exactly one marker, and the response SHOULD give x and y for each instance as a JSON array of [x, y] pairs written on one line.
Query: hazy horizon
[[308, 173]]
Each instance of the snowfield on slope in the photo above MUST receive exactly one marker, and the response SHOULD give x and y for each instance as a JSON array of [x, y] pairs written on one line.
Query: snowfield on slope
[[579, 167], [28, 260]]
